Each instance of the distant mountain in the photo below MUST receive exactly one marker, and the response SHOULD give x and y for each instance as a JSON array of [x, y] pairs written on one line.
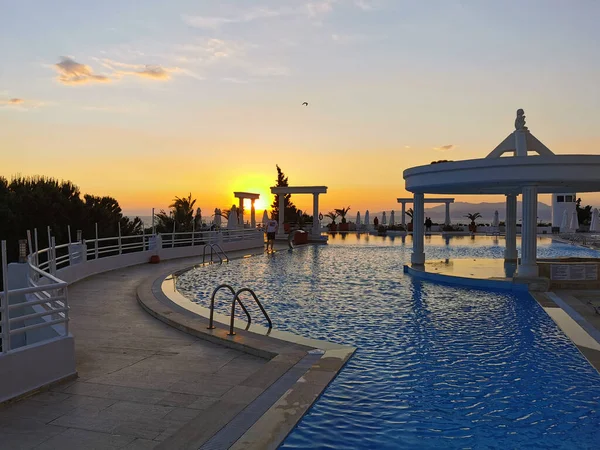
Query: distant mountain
[[458, 211]]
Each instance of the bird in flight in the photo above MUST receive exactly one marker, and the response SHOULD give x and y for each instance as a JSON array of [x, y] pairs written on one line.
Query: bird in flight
[[305, 104]]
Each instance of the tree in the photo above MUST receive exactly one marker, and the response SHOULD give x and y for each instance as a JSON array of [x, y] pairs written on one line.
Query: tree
[[342, 213], [290, 210], [409, 212], [181, 213], [584, 215], [473, 217], [28, 203], [333, 215]]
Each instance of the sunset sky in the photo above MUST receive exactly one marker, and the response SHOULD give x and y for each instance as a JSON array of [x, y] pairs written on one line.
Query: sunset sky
[[147, 100]]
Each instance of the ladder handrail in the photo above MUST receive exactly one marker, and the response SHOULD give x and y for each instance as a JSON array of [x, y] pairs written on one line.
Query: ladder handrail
[[212, 305], [214, 248], [218, 247], [237, 295]]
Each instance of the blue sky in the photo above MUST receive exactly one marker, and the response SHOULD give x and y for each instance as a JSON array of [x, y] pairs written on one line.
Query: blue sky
[[219, 85]]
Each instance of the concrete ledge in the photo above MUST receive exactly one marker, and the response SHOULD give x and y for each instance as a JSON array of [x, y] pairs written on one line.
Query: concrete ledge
[[298, 368], [32, 368], [506, 285]]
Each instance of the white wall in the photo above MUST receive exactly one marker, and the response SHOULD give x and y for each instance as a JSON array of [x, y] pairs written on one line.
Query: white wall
[[558, 209], [35, 366]]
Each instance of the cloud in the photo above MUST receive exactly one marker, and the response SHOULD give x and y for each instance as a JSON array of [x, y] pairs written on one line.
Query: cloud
[[365, 5], [20, 104], [444, 148], [214, 22], [148, 71], [71, 72], [313, 10]]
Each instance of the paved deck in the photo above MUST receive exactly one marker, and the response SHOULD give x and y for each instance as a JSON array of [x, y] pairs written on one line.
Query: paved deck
[[140, 380]]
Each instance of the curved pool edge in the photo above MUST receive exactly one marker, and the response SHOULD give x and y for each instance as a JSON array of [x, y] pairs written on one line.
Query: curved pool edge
[[297, 373], [482, 283]]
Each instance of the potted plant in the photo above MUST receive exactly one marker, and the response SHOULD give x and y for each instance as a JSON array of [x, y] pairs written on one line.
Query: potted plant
[[332, 215], [409, 213], [472, 218], [342, 213]]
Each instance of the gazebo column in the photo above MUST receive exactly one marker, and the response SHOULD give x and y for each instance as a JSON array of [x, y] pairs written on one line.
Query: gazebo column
[[447, 221], [510, 253], [252, 214], [418, 254], [281, 229], [528, 266], [403, 215], [241, 213], [316, 231]]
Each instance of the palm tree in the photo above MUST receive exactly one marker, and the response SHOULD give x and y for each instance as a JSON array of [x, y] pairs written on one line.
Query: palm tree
[[342, 213], [183, 212], [473, 217], [410, 214], [332, 215]]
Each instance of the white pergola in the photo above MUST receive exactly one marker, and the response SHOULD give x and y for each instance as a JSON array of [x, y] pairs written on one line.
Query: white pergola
[[242, 196], [446, 201], [314, 190], [520, 173]]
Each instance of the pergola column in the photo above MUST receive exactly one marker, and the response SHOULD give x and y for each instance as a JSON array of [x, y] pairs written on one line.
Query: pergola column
[[281, 229], [418, 254], [528, 266], [316, 229], [252, 214], [403, 215], [241, 213], [447, 221], [510, 253]]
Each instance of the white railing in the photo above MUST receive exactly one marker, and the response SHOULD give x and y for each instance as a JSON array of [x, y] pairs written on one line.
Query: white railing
[[43, 304], [44, 300]]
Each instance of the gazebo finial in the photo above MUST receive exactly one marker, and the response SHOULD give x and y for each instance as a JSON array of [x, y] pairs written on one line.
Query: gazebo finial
[[520, 120]]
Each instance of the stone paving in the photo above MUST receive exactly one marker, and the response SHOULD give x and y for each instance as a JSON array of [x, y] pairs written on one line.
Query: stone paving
[[140, 380]]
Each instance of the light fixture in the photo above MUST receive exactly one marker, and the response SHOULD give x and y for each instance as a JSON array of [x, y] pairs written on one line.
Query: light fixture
[[22, 250]]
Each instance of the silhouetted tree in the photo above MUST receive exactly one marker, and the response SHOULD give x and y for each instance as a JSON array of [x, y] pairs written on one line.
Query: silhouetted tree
[[584, 215], [182, 212], [290, 210], [37, 202]]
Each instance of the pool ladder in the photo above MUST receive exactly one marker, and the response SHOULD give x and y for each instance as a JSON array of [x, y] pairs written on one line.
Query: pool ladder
[[236, 298], [215, 249]]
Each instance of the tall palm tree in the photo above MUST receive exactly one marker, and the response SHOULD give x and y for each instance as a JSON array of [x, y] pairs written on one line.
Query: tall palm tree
[[342, 213], [409, 212], [183, 212]]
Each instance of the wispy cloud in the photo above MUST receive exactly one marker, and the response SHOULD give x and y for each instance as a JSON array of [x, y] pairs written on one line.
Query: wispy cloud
[[365, 5], [152, 72], [214, 22], [444, 148], [20, 104], [314, 10], [71, 72]]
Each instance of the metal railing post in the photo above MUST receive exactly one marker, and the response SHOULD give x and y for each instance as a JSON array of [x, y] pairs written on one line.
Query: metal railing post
[[69, 233], [53, 263], [96, 243], [37, 249], [120, 248], [4, 309]]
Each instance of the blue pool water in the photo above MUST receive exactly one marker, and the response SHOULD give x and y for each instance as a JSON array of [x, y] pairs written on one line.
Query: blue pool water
[[437, 366]]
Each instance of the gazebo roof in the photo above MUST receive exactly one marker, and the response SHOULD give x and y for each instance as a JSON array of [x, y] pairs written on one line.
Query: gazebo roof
[[508, 175]]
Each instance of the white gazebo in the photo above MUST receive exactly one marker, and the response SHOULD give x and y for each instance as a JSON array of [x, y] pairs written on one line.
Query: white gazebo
[[315, 191], [242, 196], [517, 174]]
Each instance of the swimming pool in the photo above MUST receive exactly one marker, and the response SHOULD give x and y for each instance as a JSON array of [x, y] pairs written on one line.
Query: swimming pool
[[437, 366]]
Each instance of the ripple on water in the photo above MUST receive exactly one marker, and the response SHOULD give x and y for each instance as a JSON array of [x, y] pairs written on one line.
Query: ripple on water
[[436, 366]]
